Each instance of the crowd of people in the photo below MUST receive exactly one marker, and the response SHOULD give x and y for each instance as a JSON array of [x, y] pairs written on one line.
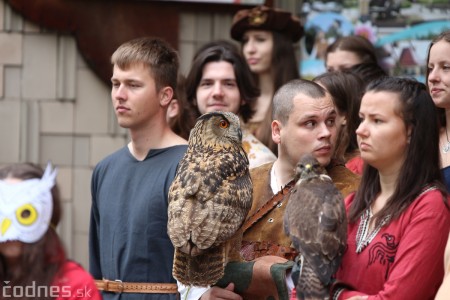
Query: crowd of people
[[383, 141]]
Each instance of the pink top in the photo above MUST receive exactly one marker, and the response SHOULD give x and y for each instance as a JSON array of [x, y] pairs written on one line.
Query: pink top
[[75, 283]]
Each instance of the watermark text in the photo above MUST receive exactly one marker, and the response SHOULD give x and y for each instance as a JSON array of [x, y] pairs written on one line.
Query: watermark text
[[37, 291]]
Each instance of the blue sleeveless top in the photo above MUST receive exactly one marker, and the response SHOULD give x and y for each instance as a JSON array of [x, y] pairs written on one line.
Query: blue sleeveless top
[[446, 174]]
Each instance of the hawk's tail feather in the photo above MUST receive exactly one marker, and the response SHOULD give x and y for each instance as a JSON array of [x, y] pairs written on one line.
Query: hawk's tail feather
[[309, 286], [202, 270]]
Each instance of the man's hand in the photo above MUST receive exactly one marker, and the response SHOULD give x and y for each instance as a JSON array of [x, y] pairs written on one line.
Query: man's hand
[[219, 293]]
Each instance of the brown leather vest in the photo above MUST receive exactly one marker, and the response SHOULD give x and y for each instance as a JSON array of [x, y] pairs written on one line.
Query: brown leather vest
[[267, 237]]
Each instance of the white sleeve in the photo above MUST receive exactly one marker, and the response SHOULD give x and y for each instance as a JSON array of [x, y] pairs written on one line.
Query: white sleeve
[[289, 282], [190, 292]]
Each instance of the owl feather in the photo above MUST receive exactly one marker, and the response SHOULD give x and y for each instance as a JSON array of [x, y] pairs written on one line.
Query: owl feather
[[209, 200], [315, 220]]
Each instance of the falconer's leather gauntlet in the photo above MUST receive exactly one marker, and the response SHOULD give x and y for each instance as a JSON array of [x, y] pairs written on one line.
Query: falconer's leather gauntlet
[[262, 278]]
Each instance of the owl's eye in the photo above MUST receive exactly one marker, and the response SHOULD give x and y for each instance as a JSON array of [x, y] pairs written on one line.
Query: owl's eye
[[224, 124], [26, 214]]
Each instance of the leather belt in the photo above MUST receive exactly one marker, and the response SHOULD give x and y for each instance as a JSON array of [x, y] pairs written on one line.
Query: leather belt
[[117, 286], [268, 206]]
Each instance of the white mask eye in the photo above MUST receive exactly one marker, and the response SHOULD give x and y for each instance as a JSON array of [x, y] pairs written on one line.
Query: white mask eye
[[26, 214]]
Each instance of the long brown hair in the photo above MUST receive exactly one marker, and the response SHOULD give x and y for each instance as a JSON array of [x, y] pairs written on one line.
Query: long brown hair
[[40, 261], [356, 44], [444, 36], [346, 89], [284, 69], [184, 121], [421, 167], [218, 51]]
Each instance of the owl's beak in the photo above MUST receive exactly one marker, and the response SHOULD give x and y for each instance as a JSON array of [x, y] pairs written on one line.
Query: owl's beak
[[5, 225]]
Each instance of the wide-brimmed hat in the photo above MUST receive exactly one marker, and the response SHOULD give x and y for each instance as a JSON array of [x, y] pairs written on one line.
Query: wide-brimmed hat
[[266, 18]]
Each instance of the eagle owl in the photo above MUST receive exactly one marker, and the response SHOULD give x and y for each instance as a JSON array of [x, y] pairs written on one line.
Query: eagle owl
[[26, 208], [316, 222], [209, 199]]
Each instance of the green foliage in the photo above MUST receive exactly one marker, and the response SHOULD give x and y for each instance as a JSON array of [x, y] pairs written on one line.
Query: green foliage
[[405, 4], [350, 3]]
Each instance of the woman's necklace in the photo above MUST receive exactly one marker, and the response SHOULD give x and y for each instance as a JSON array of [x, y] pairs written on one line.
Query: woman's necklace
[[446, 147]]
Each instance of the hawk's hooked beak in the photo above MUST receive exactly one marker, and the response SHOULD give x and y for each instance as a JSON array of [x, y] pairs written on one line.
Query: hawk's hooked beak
[[308, 168]]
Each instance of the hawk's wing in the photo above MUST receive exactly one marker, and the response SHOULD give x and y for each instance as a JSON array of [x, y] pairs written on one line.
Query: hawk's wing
[[315, 220]]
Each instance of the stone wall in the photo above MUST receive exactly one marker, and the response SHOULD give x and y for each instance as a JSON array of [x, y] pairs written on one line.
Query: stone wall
[[54, 108]]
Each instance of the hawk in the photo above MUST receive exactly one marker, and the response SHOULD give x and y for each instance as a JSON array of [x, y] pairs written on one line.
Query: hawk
[[315, 220], [209, 200]]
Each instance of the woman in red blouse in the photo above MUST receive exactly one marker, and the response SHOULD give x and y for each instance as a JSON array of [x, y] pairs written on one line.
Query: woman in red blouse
[[399, 218]]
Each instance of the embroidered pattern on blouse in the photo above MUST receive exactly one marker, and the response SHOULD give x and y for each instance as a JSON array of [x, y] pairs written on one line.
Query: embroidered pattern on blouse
[[384, 252], [363, 237]]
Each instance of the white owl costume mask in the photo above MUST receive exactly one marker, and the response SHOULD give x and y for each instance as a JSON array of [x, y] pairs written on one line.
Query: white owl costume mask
[[26, 208]]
